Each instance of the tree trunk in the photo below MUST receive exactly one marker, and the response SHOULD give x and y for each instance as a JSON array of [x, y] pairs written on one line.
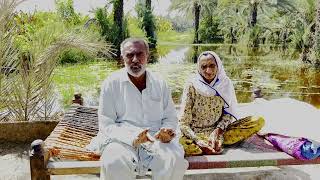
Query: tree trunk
[[118, 14], [149, 25], [233, 37], [254, 14], [316, 45], [197, 9], [118, 20], [284, 39], [307, 47]]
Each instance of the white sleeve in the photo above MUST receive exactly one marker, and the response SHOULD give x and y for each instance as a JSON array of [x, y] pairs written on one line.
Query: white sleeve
[[107, 116], [170, 119]]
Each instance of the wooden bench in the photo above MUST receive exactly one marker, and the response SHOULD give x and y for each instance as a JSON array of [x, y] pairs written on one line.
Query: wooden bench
[[64, 153]]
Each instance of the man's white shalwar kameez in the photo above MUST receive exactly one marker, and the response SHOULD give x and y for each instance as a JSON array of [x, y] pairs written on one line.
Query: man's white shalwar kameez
[[124, 112]]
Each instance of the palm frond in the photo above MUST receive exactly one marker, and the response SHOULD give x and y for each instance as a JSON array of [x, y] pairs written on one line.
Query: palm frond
[[26, 87], [8, 53]]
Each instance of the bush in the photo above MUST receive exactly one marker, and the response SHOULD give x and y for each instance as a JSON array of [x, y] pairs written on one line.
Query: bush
[[209, 31], [74, 56], [163, 24], [66, 11]]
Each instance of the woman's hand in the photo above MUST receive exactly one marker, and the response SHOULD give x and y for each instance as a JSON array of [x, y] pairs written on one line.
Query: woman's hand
[[216, 140], [206, 148]]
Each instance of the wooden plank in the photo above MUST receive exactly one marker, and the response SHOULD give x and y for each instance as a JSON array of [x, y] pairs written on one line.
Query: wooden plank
[[73, 167], [239, 155], [79, 167], [233, 158]]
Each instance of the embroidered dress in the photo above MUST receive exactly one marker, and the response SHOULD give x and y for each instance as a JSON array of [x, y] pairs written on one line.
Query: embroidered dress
[[207, 106], [201, 115]]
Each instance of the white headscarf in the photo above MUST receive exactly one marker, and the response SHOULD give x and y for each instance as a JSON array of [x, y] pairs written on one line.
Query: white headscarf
[[220, 86]]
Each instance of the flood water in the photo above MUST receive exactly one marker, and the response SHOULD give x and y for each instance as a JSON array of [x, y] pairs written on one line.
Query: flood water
[[279, 74]]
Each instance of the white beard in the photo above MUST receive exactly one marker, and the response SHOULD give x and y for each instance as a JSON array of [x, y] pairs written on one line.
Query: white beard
[[136, 74]]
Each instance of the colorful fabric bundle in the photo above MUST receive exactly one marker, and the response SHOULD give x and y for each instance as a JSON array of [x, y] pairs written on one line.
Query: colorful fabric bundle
[[298, 147]]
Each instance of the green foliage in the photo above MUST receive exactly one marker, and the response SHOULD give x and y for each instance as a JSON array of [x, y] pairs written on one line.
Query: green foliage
[[209, 30], [66, 11], [254, 37], [200, 8], [135, 27], [180, 23], [233, 22], [85, 78], [30, 24], [163, 24], [26, 87], [175, 37], [105, 22], [108, 29], [9, 54], [147, 21], [73, 56]]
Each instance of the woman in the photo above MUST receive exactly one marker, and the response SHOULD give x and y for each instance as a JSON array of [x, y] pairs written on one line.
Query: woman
[[208, 116]]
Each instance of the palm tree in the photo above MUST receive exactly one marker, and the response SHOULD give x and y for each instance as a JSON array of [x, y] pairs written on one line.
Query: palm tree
[[119, 25], [147, 21], [236, 12], [256, 4], [149, 25], [28, 91], [197, 8], [8, 53], [253, 6], [302, 38], [279, 28], [234, 21]]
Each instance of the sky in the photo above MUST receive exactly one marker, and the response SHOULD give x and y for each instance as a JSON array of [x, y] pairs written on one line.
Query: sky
[[84, 6]]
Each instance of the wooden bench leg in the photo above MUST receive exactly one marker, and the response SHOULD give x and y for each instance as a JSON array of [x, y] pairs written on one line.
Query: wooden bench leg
[[38, 161]]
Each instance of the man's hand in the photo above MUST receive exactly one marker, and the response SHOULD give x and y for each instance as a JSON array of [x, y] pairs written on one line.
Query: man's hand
[[216, 140], [165, 135], [143, 137]]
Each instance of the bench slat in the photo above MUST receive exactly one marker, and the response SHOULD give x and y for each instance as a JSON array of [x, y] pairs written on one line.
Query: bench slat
[[231, 159], [73, 167]]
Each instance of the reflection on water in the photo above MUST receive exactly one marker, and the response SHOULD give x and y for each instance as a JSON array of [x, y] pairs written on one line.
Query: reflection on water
[[278, 74], [176, 56]]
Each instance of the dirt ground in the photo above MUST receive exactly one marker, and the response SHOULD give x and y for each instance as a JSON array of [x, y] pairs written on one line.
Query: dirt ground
[[14, 165]]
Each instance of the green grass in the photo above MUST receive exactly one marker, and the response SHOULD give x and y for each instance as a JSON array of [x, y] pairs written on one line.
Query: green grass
[[134, 29], [175, 37], [163, 36], [175, 75], [87, 79], [81, 78]]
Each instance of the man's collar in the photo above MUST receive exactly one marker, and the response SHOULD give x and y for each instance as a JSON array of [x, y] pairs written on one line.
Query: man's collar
[[124, 75]]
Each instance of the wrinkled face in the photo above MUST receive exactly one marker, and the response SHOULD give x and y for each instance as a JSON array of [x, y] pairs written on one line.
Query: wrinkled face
[[135, 57], [208, 67]]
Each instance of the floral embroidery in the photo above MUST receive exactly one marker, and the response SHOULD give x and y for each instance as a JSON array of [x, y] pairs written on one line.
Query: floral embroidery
[[202, 114]]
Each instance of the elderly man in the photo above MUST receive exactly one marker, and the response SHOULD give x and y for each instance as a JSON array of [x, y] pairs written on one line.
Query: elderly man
[[137, 121]]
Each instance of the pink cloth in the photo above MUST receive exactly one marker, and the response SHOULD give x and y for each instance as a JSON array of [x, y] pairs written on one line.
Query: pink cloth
[[289, 145]]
